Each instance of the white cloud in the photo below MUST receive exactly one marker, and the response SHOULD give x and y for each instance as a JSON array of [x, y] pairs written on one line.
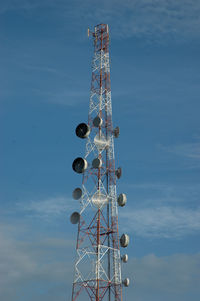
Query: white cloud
[[162, 222], [162, 278], [25, 265], [43, 270]]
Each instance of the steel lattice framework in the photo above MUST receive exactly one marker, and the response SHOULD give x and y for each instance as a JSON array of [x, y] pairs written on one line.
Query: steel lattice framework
[[98, 263]]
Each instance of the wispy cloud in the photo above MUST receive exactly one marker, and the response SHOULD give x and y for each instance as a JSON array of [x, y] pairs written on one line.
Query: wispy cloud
[[26, 5], [190, 150], [68, 98], [48, 208], [157, 194], [162, 222], [153, 19], [164, 217]]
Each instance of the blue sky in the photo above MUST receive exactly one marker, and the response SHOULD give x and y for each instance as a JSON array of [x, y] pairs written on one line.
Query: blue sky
[[45, 76]]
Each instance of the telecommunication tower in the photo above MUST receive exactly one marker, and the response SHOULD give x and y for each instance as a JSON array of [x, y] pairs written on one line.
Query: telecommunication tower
[[97, 274]]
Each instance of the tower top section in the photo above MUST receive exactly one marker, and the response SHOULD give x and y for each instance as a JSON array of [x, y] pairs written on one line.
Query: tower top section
[[101, 37]]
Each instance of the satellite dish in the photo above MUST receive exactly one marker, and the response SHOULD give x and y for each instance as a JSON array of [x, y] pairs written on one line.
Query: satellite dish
[[118, 172], [122, 199], [116, 132], [77, 193], [82, 130], [126, 282], [74, 218], [124, 240], [97, 121], [79, 165], [125, 258], [96, 163]]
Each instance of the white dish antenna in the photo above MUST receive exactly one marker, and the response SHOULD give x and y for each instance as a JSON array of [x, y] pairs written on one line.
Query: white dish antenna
[[125, 258], [100, 142], [124, 240], [99, 199], [122, 199], [126, 282]]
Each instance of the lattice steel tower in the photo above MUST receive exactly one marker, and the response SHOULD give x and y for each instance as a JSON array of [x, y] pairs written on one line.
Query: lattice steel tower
[[97, 273]]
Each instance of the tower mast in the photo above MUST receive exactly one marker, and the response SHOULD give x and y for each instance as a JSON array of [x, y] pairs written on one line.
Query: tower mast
[[97, 274]]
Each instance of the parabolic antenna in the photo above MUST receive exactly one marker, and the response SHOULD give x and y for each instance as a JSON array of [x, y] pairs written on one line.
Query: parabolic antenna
[[79, 165], [124, 240], [125, 258], [116, 132], [121, 200], [97, 121], [96, 163], [77, 193], [126, 282], [118, 172], [99, 199], [100, 142], [74, 218], [82, 130]]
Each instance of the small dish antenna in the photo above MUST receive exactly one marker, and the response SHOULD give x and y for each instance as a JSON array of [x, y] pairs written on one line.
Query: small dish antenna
[[125, 258], [122, 199], [118, 172], [77, 193], [124, 240], [116, 132], [96, 163], [97, 121], [74, 218], [126, 282]]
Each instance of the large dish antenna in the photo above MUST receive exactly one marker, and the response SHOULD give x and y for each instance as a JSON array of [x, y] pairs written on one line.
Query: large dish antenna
[[79, 165], [82, 130]]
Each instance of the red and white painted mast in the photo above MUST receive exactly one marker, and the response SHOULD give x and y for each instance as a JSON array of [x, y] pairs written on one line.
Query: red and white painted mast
[[97, 273]]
